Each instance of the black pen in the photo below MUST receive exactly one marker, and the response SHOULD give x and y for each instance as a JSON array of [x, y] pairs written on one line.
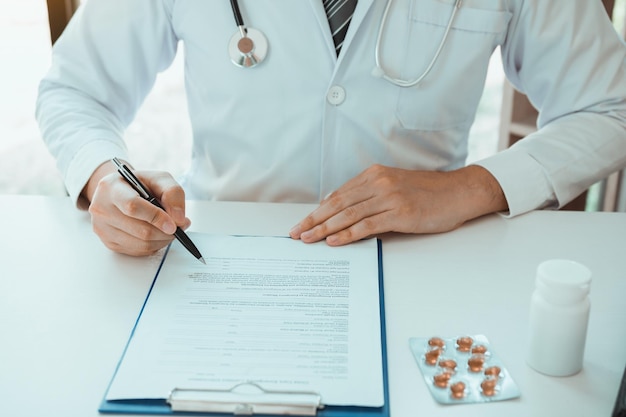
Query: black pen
[[134, 182]]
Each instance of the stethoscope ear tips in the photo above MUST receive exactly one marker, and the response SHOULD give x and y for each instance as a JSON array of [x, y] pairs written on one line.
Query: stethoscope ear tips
[[247, 48]]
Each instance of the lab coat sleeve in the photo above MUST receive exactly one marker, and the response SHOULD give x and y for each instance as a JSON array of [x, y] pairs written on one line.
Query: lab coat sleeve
[[569, 61], [102, 68]]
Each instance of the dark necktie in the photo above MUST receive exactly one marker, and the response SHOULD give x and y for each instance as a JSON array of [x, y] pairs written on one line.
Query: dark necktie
[[339, 14]]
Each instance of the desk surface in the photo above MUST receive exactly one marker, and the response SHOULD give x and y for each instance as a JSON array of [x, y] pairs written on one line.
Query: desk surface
[[67, 303]]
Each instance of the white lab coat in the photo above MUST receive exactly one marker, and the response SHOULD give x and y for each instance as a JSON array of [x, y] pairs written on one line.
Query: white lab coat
[[303, 122]]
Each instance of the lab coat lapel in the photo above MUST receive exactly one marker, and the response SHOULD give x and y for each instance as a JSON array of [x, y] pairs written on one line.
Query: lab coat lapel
[[361, 10], [320, 14]]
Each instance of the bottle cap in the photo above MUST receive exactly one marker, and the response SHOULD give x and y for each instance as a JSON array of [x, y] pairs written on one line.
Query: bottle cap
[[563, 281]]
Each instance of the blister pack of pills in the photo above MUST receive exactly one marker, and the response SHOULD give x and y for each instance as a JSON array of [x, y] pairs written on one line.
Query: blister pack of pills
[[462, 370]]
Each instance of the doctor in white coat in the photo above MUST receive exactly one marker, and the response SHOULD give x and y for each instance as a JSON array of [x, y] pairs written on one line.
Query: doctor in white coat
[[306, 125]]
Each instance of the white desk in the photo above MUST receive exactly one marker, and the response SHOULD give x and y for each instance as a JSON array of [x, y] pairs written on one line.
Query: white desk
[[67, 304]]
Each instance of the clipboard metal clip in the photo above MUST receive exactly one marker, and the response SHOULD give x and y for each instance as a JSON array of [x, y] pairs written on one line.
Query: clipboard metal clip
[[245, 398]]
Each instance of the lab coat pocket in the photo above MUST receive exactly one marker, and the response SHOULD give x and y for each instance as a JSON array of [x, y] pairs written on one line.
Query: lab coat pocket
[[448, 96]]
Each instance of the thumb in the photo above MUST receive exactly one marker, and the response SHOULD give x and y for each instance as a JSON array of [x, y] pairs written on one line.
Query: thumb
[[170, 194]]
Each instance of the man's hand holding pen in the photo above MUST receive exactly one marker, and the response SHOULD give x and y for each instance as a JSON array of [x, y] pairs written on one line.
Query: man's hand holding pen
[[128, 223]]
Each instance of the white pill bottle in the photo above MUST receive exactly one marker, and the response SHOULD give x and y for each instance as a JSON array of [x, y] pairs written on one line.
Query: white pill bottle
[[559, 314]]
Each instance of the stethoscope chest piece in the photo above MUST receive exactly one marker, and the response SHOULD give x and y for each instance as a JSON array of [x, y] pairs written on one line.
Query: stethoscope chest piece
[[247, 47]]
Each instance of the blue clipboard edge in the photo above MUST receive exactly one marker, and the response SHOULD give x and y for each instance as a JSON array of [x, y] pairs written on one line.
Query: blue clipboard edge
[[160, 407]]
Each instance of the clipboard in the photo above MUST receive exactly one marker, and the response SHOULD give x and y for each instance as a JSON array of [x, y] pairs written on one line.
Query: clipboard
[[226, 403]]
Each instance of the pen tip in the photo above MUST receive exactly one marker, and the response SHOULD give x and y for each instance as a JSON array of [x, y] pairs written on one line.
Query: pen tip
[[201, 259]]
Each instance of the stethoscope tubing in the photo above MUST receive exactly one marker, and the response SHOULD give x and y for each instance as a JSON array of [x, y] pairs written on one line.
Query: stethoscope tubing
[[248, 59], [379, 69], [236, 13]]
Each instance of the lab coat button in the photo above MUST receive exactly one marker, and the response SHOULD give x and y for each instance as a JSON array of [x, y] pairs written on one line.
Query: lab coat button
[[336, 95]]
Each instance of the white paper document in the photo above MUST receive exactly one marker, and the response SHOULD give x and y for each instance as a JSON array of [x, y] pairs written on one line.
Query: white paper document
[[283, 314]]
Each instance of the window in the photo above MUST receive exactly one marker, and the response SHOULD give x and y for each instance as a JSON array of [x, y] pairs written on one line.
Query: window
[[26, 167]]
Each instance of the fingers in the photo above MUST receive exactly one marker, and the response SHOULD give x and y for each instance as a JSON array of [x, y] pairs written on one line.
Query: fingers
[[354, 223], [130, 240], [353, 212], [132, 206], [352, 192], [129, 224], [169, 193]]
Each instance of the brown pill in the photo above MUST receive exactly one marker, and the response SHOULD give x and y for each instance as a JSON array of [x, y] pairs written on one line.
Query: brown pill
[[441, 380], [493, 371], [475, 363], [436, 341], [431, 356], [464, 343], [457, 390], [488, 386], [449, 364], [482, 349]]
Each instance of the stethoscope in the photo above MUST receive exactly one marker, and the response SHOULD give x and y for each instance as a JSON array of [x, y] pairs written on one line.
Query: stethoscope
[[248, 46], [379, 71]]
